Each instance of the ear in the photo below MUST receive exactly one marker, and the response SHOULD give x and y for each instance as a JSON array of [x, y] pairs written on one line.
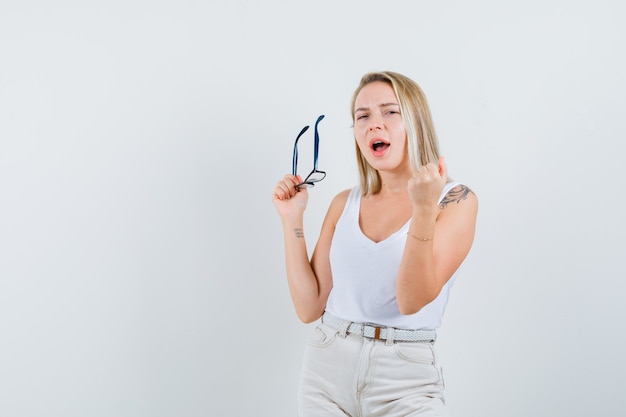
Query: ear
[[443, 170]]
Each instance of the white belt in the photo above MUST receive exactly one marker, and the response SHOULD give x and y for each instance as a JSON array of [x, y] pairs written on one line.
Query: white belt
[[378, 332]]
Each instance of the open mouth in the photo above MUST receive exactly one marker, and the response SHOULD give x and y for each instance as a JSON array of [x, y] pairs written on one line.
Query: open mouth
[[379, 145]]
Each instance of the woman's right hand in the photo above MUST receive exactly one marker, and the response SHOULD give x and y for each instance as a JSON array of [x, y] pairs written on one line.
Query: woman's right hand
[[289, 200]]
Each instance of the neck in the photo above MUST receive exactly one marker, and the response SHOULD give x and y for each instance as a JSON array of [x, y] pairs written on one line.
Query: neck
[[394, 183]]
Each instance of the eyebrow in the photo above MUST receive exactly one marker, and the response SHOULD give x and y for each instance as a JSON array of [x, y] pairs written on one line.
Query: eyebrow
[[380, 105]]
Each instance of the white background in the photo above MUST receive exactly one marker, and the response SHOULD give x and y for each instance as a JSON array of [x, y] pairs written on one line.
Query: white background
[[141, 261]]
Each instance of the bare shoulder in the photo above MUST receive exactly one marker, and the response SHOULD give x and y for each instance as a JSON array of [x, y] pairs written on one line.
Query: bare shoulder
[[338, 204], [333, 214], [460, 194], [341, 198]]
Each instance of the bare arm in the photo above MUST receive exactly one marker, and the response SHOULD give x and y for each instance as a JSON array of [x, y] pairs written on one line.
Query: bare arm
[[440, 236], [309, 281]]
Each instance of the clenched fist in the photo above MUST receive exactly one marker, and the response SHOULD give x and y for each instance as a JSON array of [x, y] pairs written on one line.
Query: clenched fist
[[426, 185]]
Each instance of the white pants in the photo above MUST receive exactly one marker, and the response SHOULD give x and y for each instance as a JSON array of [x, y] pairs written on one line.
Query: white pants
[[349, 375]]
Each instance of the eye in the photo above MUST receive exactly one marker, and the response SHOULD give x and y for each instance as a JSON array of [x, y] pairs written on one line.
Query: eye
[[361, 116]]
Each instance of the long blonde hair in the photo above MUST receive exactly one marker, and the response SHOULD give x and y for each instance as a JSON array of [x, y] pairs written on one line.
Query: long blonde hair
[[422, 144]]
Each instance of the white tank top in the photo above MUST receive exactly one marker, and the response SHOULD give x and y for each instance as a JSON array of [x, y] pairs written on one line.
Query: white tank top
[[364, 274]]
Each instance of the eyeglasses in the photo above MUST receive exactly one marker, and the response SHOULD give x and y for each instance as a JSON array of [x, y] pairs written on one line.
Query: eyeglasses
[[315, 175]]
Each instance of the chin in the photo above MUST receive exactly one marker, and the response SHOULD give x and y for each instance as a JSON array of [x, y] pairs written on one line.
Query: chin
[[386, 164]]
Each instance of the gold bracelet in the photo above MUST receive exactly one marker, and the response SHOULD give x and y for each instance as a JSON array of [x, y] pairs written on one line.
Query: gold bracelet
[[421, 239]]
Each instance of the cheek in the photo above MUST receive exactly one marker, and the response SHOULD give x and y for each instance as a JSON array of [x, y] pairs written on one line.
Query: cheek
[[361, 144], [400, 135], [360, 136]]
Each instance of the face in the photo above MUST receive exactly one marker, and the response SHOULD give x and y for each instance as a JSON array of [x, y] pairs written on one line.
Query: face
[[378, 127]]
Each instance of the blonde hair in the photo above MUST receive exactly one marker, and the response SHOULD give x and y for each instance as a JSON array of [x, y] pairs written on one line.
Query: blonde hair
[[422, 144]]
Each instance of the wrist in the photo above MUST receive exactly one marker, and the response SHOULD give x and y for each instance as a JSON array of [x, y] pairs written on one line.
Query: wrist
[[425, 213], [422, 226], [293, 221], [421, 239]]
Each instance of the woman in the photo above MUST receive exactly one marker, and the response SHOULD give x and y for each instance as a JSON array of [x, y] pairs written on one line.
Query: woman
[[384, 263]]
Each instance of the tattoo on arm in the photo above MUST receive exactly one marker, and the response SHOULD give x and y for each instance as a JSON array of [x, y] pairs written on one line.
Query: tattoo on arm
[[455, 195], [299, 233]]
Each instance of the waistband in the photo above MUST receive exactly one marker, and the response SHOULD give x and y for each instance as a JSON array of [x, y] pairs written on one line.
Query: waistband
[[378, 332]]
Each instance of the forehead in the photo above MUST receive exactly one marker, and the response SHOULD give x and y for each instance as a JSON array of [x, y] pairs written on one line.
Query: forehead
[[375, 93]]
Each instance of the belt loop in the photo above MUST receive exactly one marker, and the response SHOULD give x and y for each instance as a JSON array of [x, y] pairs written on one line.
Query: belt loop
[[389, 340], [343, 329], [335, 322], [342, 326]]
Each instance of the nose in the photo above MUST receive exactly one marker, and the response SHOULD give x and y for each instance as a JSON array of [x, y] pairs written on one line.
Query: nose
[[375, 124]]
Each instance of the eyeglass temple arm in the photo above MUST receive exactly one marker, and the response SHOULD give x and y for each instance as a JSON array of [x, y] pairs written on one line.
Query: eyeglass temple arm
[[317, 142], [294, 159]]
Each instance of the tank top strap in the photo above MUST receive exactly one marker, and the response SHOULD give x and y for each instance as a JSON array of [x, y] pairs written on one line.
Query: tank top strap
[[446, 189], [353, 204]]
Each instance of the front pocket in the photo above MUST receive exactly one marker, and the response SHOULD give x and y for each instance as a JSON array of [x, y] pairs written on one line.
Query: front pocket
[[419, 365], [415, 352]]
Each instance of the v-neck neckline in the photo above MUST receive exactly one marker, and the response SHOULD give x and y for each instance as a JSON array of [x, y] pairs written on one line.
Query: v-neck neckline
[[370, 241]]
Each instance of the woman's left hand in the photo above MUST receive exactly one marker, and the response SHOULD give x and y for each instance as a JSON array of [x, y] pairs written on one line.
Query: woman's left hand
[[426, 184]]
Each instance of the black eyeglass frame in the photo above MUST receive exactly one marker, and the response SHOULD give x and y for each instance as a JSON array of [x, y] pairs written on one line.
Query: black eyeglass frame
[[315, 175]]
